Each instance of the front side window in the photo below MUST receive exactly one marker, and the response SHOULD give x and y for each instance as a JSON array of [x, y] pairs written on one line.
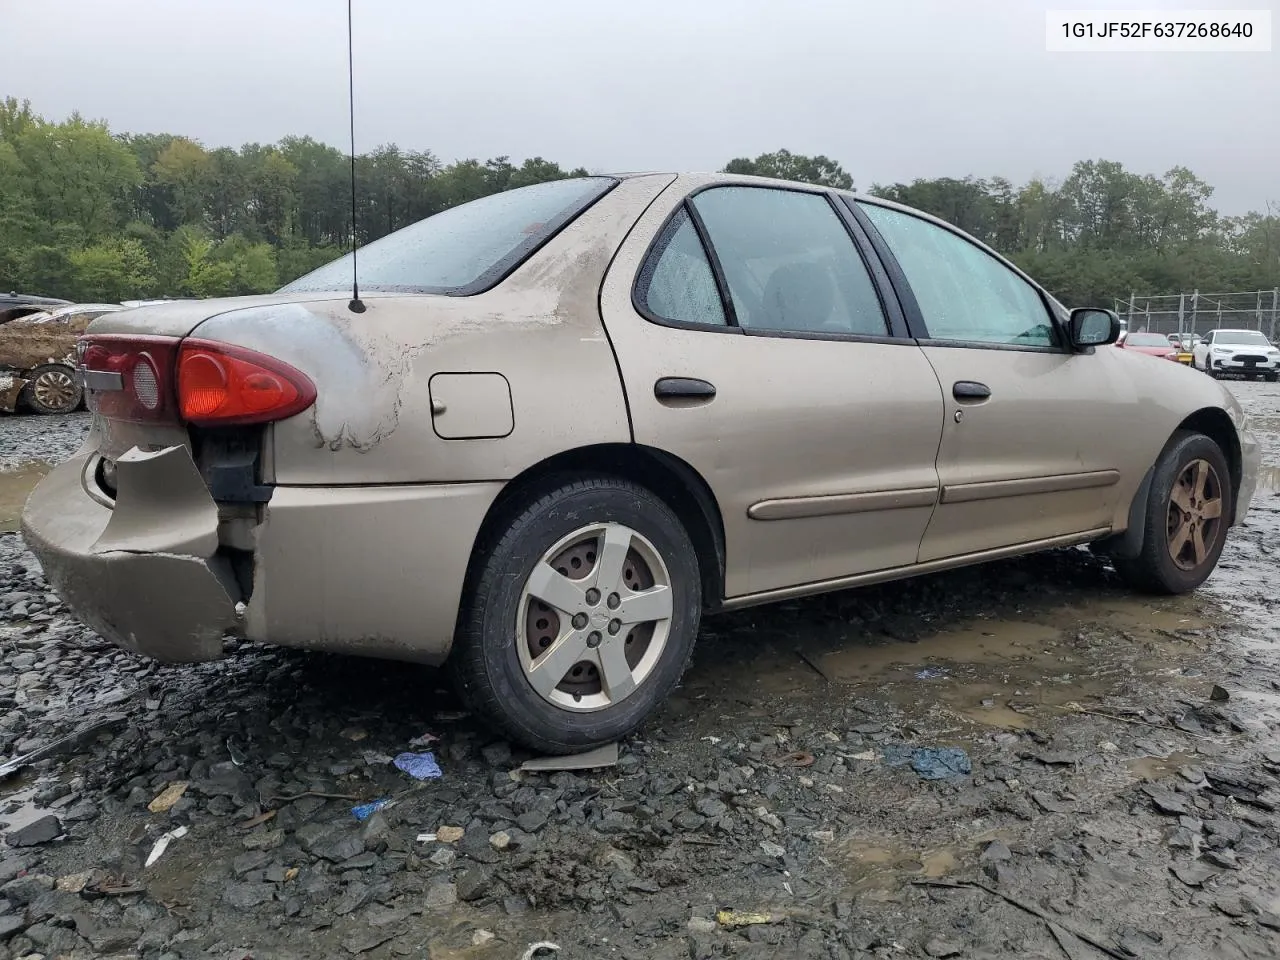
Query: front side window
[[465, 248], [789, 263], [676, 282], [964, 293]]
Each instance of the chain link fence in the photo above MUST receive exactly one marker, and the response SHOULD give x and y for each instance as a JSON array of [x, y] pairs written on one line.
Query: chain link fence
[[1198, 312]]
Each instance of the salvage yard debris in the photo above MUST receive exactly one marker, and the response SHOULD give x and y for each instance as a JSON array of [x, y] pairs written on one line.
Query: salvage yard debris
[[364, 811], [732, 919], [420, 766], [605, 756], [168, 797], [931, 763], [162, 844]]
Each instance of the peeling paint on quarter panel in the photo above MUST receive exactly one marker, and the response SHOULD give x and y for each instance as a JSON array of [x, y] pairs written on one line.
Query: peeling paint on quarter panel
[[540, 329], [359, 369]]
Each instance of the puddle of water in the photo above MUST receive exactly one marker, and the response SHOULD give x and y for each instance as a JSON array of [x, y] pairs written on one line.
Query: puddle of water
[[987, 642], [1137, 615], [18, 804], [1004, 673], [878, 865], [1157, 768], [15, 486]]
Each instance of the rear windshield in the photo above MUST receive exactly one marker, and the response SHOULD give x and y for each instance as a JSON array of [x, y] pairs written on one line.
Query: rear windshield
[[1243, 337], [1147, 340], [465, 249]]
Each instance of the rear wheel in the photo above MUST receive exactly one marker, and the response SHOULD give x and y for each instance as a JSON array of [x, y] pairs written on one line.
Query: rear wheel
[[1186, 520], [580, 618], [1273, 377], [53, 388]]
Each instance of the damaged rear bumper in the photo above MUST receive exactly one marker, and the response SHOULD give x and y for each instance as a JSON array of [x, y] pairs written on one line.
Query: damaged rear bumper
[[369, 570], [144, 572]]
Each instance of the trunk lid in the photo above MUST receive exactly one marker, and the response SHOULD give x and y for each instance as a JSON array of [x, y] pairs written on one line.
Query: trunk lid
[[179, 317]]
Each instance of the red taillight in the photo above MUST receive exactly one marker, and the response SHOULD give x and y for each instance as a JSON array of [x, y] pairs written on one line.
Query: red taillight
[[129, 378], [220, 384], [213, 384]]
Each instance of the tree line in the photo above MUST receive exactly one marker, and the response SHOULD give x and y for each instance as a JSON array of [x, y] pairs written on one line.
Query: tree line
[[90, 215]]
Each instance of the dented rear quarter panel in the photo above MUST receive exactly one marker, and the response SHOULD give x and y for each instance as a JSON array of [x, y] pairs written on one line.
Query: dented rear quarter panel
[[540, 329]]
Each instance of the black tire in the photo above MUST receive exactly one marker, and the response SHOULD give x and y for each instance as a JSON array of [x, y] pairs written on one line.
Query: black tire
[[1154, 570], [52, 388], [1273, 377], [486, 662]]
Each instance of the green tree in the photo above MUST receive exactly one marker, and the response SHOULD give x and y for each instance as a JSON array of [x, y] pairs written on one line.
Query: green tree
[[187, 171], [785, 165], [111, 271], [78, 173]]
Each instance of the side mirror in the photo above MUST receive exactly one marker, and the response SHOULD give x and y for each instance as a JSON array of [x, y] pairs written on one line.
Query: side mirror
[[1093, 327]]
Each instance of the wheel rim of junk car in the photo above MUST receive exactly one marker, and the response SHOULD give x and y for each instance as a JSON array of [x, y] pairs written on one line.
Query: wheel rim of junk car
[[594, 617], [55, 389], [1195, 514]]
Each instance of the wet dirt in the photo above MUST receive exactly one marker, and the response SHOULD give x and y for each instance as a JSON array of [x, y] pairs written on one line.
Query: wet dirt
[[1100, 763], [16, 484]]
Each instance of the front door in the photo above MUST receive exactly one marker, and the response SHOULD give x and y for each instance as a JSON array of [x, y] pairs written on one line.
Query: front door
[[1028, 449], [755, 345]]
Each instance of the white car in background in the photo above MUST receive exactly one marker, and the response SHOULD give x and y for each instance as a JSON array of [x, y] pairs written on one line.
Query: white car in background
[[1247, 352]]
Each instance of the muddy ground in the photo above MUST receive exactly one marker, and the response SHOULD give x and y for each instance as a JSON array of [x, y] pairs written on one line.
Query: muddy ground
[[1121, 797]]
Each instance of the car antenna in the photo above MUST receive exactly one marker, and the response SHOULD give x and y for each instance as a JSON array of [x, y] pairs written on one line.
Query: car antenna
[[356, 305]]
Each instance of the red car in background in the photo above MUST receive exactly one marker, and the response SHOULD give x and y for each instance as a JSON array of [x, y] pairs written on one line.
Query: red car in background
[[1154, 344]]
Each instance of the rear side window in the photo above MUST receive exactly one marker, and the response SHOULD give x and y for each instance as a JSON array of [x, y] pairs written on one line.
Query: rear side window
[[789, 262], [677, 283], [465, 249]]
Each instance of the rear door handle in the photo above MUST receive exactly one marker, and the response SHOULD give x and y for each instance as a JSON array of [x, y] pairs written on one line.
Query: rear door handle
[[683, 388], [970, 391]]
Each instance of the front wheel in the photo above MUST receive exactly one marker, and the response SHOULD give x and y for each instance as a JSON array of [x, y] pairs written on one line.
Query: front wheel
[[1273, 377], [1188, 512], [580, 617]]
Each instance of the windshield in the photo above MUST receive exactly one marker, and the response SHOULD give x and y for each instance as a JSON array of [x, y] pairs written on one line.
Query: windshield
[[1244, 337], [465, 249], [1147, 340]]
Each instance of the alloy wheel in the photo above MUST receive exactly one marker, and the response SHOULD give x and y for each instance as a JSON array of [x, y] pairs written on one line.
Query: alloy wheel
[[55, 390], [1195, 514], [594, 617]]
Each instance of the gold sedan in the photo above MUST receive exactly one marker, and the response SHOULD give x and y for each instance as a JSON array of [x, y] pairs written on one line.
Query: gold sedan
[[558, 424]]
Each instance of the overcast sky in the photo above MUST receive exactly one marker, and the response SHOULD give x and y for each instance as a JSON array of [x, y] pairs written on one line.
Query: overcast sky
[[892, 89]]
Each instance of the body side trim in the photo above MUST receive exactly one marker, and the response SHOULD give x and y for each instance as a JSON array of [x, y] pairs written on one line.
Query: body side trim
[[997, 489], [911, 570], [793, 508]]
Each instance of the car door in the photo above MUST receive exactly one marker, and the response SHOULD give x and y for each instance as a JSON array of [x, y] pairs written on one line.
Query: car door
[[1029, 451], [757, 345], [1200, 352]]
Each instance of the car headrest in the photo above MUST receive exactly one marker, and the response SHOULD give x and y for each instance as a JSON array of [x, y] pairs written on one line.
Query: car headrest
[[798, 296]]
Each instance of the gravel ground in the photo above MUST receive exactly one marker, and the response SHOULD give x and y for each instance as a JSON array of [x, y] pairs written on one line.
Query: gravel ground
[[1118, 795]]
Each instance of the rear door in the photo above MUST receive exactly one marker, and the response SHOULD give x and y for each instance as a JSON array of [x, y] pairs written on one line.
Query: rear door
[[757, 345], [1029, 451]]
